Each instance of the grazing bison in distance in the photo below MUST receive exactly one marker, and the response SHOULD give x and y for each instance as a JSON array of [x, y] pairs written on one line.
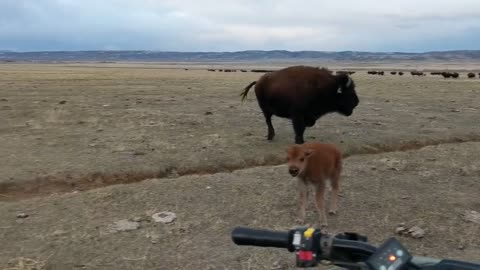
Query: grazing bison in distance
[[393, 72], [303, 94], [446, 75], [471, 75], [450, 75], [400, 73], [417, 73]]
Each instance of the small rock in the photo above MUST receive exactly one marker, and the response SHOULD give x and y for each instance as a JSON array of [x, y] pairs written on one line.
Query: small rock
[[164, 217], [139, 153], [62, 102], [208, 113], [277, 266], [405, 197], [4, 99], [22, 215], [400, 230], [106, 105], [416, 232], [471, 216], [208, 187], [455, 110], [461, 247], [124, 226], [59, 233], [100, 130], [376, 109]]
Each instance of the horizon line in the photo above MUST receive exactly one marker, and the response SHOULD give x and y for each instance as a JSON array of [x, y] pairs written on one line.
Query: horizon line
[[253, 50]]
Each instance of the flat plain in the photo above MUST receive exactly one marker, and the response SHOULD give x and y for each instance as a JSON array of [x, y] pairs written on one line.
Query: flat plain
[[85, 145]]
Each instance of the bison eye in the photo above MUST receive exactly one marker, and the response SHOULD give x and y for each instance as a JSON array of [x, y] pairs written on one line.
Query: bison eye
[[302, 159]]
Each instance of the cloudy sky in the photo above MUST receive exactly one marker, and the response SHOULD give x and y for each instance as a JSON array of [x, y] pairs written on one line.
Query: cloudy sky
[[231, 25]]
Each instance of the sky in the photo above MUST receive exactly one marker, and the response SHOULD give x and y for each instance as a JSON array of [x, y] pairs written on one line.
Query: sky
[[235, 25]]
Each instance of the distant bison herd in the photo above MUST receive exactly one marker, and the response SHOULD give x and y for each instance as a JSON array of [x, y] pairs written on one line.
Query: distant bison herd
[[242, 70], [445, 74]]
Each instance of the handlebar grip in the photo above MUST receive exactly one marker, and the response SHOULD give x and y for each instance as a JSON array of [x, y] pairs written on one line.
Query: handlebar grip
[[262, 238]]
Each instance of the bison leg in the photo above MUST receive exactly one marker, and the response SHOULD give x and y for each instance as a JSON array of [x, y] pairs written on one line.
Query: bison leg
[[299, 128], [303, 197], [334, 181], [271, 131], [320, 203], [310, 121]]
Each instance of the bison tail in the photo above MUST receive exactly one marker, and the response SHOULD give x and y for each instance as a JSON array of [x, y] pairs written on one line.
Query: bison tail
[[246, 89]]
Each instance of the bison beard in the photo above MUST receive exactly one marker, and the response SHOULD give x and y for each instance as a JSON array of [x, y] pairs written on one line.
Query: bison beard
[[302, 94]]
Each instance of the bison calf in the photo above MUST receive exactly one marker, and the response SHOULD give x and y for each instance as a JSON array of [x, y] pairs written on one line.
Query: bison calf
[[314, 164]]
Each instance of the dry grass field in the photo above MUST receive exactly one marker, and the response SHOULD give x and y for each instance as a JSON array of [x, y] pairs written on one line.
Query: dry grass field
[[71, 131]]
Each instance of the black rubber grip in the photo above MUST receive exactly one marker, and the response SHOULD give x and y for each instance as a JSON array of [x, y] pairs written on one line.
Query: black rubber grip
[[262, 238]]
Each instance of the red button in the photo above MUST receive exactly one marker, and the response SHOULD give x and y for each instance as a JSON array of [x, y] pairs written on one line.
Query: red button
[[305, 255]]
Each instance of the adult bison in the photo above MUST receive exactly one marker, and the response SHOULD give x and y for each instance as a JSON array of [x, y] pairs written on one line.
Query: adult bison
[[303, 94], [471, 75]]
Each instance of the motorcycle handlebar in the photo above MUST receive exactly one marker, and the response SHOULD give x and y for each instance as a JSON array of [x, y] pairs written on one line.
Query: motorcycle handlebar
[[263, 238], [343, 249]]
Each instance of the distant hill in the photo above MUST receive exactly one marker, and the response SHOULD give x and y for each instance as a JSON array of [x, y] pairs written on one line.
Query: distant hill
[[252, 55]]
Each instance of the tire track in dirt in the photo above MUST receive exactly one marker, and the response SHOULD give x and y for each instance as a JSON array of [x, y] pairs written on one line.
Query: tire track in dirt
[[66, 182]]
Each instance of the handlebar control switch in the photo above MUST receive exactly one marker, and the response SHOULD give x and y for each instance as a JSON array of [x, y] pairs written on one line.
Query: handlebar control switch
[[391, 255], [305, 250]]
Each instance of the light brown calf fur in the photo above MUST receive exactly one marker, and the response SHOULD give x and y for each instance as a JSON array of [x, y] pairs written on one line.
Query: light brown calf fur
[[315, 163]]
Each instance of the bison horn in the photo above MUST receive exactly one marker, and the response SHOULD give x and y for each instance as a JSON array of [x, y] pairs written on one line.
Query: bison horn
[[349, 82]]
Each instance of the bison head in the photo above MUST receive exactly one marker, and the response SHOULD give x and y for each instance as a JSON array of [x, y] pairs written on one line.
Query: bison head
[[346, 97], [297, 160]]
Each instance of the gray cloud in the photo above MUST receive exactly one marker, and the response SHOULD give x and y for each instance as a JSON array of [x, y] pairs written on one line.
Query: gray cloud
[[212, 25]]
